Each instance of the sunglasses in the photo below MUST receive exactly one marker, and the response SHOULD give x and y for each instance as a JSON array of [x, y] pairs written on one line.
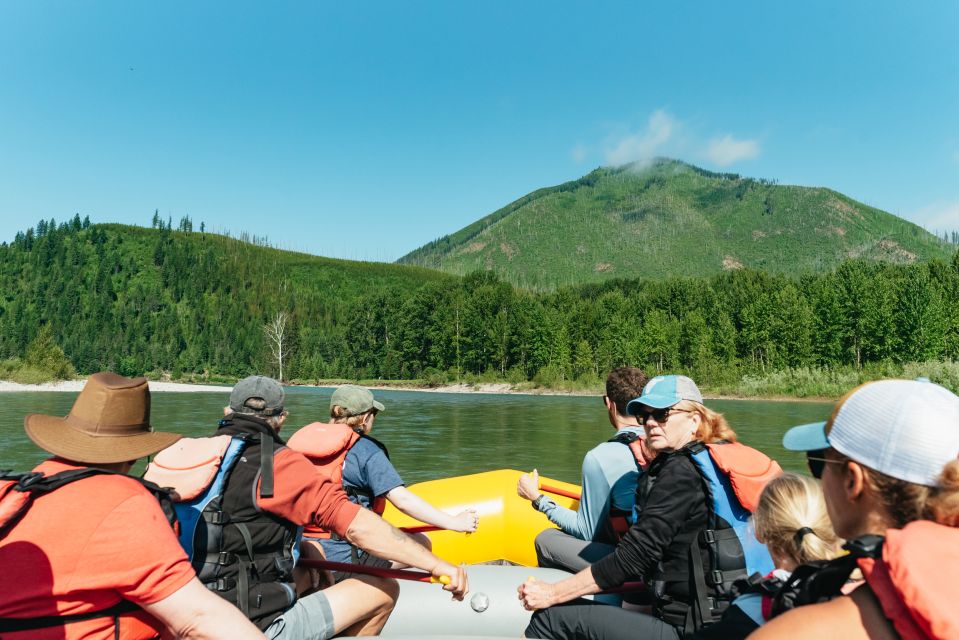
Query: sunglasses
[[659, 415], [816, 461]]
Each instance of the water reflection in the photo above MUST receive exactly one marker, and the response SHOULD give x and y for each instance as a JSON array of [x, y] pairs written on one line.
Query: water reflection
[[435, 435]]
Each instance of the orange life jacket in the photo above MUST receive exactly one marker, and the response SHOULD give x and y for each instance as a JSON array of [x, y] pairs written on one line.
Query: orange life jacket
[[17, 492], [748, 470], [917, 580], [326, 446]]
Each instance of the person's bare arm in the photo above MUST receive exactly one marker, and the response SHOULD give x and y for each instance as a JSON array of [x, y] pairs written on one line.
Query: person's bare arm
[[416, 507], [858, 616], [195, 612], [375, 535], [540, 595]]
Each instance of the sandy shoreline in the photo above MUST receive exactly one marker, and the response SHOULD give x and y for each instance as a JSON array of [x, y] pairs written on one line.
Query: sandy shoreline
[[77, 385], [74, 386], [493, 388]]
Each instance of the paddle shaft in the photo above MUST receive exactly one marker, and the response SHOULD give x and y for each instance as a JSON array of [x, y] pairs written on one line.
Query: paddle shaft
[[560, 492], [397, 574]]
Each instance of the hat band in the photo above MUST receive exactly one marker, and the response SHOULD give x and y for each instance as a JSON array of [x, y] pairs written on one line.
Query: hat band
[[97, 429]]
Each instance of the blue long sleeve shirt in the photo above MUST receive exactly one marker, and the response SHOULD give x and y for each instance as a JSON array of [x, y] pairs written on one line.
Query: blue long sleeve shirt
[[609, 481]]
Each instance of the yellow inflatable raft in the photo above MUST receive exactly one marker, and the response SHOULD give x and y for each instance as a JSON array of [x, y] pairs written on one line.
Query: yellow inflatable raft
[[507, 524]]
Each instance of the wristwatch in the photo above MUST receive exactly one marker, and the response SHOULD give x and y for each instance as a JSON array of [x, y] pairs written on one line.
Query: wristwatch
[[538, 501]]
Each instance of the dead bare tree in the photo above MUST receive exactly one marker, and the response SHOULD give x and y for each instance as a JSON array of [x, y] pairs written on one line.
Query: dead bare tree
[[275, 331]]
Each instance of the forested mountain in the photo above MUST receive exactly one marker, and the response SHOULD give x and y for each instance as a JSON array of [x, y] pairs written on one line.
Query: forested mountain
[[135, 300], [139, 300], [672, 219]]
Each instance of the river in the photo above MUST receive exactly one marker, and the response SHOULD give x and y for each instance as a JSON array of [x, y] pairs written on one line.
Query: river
[[435, 435]]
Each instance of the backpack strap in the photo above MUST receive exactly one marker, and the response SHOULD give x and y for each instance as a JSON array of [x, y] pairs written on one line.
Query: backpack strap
[[817, 582], [26, 487], [637, 446]]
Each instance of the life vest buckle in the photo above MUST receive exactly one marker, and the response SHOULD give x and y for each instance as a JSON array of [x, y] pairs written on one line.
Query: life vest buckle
[[717, 577], [225, 558], [709, 536], [221, 584], [28, 480], [216, 517]]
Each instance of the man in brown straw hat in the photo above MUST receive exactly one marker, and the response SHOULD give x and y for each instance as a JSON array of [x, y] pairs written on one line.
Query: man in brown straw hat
[[86, 550]]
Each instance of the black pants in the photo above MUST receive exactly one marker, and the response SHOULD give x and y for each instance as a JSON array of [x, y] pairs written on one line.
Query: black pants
[[585, 620]]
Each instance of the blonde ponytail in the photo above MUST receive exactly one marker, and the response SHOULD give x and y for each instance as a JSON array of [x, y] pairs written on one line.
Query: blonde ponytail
[[791, 519]]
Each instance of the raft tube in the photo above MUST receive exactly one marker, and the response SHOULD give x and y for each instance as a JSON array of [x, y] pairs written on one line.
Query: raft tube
[[507, 523]]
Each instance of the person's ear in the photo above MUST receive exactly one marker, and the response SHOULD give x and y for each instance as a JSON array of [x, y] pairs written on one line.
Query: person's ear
[[697, 421], [854, 480]]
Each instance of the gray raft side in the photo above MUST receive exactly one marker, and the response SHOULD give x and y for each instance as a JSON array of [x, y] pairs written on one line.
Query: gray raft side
[[424, 609]]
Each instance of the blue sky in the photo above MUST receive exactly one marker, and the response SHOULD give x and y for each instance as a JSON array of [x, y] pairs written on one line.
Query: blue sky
[[362, 129]]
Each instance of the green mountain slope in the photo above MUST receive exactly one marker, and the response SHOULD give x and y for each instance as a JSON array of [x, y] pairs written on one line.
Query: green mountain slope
[[673, 219], [132, 300]]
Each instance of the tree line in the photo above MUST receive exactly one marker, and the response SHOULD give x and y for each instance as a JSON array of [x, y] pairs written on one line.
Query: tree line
[[150, 300]]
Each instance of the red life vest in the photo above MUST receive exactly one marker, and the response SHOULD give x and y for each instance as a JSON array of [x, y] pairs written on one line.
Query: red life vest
[[917, 580], [17, 492], [326, 446]]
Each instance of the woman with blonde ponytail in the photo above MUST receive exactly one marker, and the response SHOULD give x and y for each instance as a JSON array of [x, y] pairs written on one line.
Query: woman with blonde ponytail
[[792, 522]]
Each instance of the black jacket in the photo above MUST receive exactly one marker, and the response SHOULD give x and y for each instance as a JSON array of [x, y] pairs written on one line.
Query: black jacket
[[672, 508]]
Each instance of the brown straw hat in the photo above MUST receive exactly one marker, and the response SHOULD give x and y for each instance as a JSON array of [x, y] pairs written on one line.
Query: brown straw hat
[[109, 422]]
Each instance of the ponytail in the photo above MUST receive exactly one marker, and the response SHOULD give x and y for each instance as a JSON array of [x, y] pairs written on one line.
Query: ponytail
[[791, 519]]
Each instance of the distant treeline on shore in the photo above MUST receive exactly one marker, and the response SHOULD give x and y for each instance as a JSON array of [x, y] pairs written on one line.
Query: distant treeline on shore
[[139, 300]]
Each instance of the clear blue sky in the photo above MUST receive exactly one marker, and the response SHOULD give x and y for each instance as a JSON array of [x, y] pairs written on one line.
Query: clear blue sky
[[365, 129]]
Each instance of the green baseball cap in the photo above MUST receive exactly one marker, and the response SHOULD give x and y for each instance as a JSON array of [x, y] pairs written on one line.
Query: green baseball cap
[[355, 399]]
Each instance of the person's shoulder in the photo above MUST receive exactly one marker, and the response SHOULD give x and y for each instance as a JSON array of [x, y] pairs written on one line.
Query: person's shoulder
[[289, 461], [846, 616], [674, 463], [367, 448], [101, 487]]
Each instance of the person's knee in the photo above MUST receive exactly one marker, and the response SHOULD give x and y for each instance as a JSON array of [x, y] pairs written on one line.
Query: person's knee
[[391, 588], [388, 587], [542, 543], [422, 540]]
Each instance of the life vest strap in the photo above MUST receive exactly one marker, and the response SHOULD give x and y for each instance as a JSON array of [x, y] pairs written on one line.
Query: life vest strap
[[10, 625]]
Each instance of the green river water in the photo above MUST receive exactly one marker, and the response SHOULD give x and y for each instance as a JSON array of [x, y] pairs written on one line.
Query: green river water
[[436, 435]]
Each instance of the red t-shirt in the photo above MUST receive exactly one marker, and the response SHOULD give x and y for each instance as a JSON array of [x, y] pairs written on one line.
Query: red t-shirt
[[304, 497], [85, 547]]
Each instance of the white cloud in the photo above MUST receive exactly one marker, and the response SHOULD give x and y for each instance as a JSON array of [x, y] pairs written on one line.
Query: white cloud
[[643, 146], [938, 216], [579, 153], [728, 150]]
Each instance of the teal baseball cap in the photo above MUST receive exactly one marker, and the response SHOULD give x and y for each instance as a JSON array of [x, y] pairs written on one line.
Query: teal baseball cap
[[665, 391], [355, 399]]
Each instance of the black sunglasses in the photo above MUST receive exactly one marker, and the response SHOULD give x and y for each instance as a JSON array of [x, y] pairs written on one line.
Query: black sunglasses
[[659, 415], [816, 461]]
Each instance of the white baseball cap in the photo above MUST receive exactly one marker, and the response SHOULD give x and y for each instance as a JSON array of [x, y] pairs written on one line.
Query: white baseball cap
[[907, 429]]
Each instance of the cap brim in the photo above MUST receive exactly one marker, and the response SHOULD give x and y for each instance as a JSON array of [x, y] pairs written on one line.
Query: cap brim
[[806, 437], [59, 438], [378, 406], [654, 401]]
